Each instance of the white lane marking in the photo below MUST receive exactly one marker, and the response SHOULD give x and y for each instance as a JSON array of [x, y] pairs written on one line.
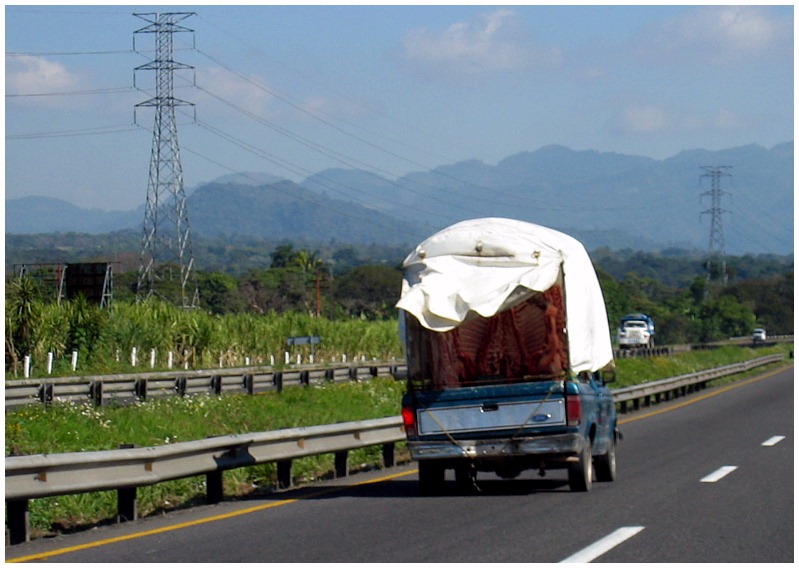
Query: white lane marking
[[601, 546], [718, 474], [773, 441]]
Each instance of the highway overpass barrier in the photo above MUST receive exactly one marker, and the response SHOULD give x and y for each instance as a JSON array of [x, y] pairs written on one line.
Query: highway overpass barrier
[[123, 470]]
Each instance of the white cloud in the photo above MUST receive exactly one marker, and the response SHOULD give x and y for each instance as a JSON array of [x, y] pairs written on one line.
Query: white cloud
[[726, 119], [29, 75], [251, 95], [718, 34], [643, 119], [337, 108], [646, 118], [495, 41]]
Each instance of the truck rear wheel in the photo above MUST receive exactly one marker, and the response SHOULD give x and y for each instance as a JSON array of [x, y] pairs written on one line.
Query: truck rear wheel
[[606, 464], [581, 472], [431, 476]]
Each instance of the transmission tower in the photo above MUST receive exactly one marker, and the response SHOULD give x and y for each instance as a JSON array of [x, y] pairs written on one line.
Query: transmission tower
[[716, 253], [166, 255]]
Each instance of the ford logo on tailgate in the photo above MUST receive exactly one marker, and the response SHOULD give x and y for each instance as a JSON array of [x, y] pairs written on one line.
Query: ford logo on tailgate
[[541, 417]]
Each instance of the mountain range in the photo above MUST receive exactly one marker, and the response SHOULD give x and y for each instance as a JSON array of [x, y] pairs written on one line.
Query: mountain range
[[604, 199]]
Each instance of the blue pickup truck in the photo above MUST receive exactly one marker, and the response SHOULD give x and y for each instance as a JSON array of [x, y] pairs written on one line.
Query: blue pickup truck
[[508, 354]]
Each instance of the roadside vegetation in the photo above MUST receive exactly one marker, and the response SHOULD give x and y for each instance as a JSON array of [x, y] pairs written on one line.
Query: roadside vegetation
[[68, 427], [348, 303], [350, 307]]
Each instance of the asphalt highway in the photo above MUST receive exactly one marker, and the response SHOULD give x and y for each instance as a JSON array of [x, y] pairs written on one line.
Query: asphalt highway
[[704, 478]]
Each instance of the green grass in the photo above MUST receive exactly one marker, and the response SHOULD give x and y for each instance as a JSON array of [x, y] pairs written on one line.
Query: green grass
[[64, 427], [69, 427], [642, 370]]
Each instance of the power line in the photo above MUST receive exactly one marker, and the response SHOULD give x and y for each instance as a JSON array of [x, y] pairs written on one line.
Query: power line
[[64, 53], [355, 137], [107, 91], [70, 133], [258, 49]]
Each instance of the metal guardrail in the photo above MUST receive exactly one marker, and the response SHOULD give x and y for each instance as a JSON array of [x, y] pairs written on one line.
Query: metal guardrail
[[124, 470], [102, 389], [683, 384], [46, 475]]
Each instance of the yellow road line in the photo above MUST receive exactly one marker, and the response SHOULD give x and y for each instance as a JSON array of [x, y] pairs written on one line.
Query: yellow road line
[[60, 551], [697, 398]]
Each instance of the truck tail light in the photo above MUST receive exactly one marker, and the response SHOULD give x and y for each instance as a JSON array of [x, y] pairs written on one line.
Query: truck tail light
[[573, 409], [409, 420]]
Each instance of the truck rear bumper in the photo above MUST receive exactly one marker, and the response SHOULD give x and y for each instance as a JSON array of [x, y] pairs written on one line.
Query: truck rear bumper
[[545, 446]]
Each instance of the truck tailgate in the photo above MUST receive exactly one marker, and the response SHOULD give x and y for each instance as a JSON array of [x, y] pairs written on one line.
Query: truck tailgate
[[492, 409]]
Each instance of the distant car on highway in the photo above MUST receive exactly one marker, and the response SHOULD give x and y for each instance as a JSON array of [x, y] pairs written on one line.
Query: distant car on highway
[[758, 335]]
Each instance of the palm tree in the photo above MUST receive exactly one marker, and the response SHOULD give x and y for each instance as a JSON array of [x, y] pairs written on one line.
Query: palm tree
[[23, 309], [310, 264]]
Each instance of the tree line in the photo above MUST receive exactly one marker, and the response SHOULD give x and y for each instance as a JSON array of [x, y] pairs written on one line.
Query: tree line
[[673, 289]]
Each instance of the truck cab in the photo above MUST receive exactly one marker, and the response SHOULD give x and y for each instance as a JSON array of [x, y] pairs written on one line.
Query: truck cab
[[636, 330], [508, 354]]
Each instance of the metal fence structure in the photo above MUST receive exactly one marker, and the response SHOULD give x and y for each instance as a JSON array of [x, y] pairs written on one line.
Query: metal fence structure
[[123, 470], [103, 389]]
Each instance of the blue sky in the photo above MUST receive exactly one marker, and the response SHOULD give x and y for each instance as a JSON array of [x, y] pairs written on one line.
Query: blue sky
[[293, 90]]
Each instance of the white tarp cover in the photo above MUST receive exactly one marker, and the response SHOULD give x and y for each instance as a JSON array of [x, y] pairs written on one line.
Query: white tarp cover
[[488, 265]]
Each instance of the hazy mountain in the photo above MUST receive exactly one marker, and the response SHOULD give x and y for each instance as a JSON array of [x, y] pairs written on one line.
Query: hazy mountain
[[633, 201], [284, 210], [604, 199], [248, 178], [49, 215]]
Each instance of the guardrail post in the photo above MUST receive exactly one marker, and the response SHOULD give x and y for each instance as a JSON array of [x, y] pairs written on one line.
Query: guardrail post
[[248, 384], [330, 375], [216, 384], [388, 455], [277, 380], [353, 373], [305, 378], [127, 501], [46, 393], [96, 392], [18, 521], [127, 505], [284, 474], [214, 487], [140, 389], [180, 386], [342, 464]]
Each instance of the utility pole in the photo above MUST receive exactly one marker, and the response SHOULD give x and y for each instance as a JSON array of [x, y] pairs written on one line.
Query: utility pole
[[716, 253], [166, 240]]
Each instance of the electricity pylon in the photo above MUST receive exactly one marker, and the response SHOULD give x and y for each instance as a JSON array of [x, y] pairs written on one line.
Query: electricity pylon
[[166, 240], [716, 253]]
